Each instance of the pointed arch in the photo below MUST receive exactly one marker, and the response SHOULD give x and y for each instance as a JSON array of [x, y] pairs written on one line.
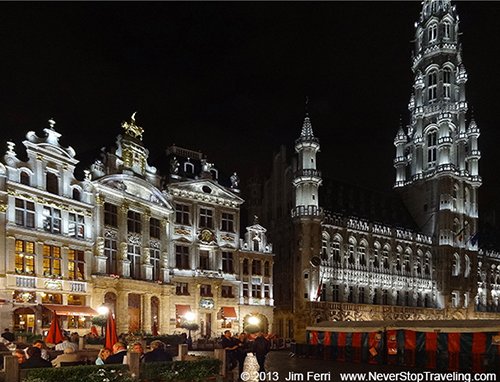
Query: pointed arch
[[455, 265]]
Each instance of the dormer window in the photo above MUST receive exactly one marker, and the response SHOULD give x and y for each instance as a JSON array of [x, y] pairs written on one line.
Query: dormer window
[[188, 167], [24, 178], [76, 194], [52, 183], [432, 33]]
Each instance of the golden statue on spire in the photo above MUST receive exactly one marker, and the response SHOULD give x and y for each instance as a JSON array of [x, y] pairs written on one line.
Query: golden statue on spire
[[132, 129]]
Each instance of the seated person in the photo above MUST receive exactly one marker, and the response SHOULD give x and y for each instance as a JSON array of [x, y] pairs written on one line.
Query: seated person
[[104, 353], [35, 359], [119, 353], [69, 355], [20, 354], [158, 353]]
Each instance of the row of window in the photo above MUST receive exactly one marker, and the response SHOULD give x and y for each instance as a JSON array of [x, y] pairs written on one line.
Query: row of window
[[52, 259], [51, 184], [380, 296], [25, 216], [226, 290], [432, 84]]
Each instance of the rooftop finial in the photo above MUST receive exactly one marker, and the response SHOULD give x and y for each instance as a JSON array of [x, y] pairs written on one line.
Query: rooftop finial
[[52, 123], [132, 129], [306, 106]]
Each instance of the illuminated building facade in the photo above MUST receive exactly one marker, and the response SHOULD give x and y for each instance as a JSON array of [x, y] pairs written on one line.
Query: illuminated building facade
[[150, 248], [361, 256]]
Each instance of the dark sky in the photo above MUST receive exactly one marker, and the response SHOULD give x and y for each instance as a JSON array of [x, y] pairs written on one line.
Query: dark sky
[[230, 79]]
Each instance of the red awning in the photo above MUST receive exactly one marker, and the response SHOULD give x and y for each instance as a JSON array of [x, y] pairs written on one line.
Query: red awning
[[181, 310], [71, 310], [229, 313]]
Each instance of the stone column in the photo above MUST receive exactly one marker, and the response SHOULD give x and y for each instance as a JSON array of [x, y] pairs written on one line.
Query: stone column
[[124, 262], [10, 252], [147, 322], [164, 236], [99, 259], [64, 261]]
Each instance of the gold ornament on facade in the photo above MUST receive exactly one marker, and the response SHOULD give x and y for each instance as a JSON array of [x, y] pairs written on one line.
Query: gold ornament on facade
[[99, 199], [206, 236], [132, 129], [3, 208]]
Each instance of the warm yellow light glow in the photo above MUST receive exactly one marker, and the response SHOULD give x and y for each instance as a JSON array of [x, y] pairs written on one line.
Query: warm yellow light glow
[[103, 310], [190, 316], [253, 320]]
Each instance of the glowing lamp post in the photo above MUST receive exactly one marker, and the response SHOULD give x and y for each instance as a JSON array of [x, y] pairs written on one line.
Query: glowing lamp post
[[103, 311], [189, 324]]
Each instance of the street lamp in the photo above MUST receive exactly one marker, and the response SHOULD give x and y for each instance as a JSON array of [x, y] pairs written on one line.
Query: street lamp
[[189, 324], [253, 320], [103, 310]]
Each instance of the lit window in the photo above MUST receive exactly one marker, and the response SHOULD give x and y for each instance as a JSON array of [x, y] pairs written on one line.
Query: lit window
[[51, 260], [76, 264], [447, 83], [432, 32], [25, 259]]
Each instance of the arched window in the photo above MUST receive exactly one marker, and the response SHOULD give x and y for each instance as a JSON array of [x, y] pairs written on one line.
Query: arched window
[[188, 167], [52, 183], [432, 32], [376, 255], [447, 83], [76, 194], [432, 81], [24, 178], [455, 266], [467, 266], [362, 254], [431, 147], [385, 257], [336, 251], [446, 30]]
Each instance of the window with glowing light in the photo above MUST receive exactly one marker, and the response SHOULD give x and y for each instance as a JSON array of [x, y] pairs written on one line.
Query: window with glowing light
[[76, 264], [51, 260], [25, 257]]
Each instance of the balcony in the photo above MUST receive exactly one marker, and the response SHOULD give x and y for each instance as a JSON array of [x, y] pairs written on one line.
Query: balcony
[[399, 160], [76, 286], [307, 211], [25, 281], [307, 173], [445, 141]]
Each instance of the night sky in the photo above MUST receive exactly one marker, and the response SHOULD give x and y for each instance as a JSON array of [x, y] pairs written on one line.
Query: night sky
[[230, 79]]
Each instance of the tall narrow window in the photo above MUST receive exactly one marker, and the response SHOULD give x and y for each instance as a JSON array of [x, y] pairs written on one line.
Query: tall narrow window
[[245, 266], [52, 183], [227, 222], [446, 30], [25, 213], [336, 251], [266, 269], [25, 259], [51, 260], [154, 228], [76, 227], [110, 215], [361, 295], [432, 86], [206, 218], [335, 293], [76, 264], [181, 257], [51, 219], [256, 267], [431, 147], [111, 252], [447, 83], [76, 194], [181, 214], [134, 255], [155, 256], [432, 33], [134, 223], [362, 255], [227, 262], [204, 260]]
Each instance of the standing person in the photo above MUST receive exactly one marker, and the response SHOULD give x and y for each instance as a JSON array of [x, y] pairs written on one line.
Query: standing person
[[261, 347], [229, 343], [158, 353], [8, 335], [241, 351], [35, 359], [104, 353], [119, 353]]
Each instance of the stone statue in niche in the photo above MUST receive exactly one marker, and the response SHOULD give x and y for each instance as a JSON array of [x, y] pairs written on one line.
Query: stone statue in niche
[[235, 180]]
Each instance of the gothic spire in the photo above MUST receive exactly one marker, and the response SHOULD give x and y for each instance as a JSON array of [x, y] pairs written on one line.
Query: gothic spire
[[435, 8]]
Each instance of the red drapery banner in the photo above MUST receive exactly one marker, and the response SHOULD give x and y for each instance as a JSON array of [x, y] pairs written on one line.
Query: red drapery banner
[[431, 349]]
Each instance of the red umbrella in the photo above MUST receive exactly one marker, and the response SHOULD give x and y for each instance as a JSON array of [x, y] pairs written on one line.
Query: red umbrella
[[93, 331], [111, 336], [54, 336]]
